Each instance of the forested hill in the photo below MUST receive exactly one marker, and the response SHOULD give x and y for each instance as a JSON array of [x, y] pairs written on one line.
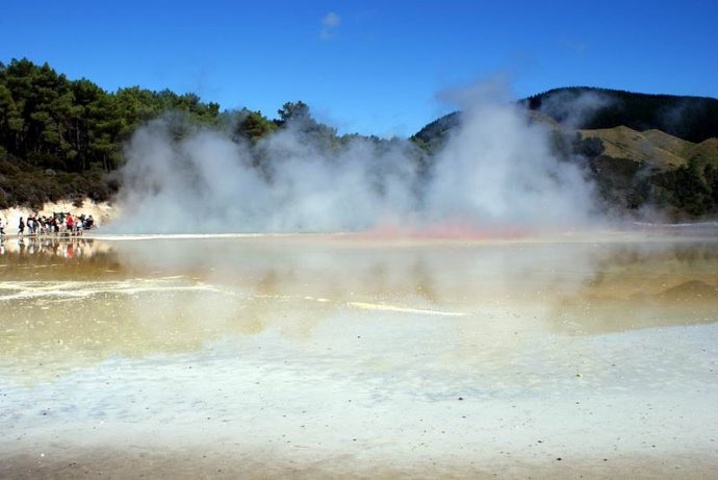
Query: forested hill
[[74, 125], [690, 118], [642, 151], [62, 139], [584, 108], [59, 138]]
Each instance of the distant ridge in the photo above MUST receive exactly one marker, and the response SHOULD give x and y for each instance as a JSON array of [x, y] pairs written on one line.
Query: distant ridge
[[642, 150], [687, 117], [434, 133], [690, 118]]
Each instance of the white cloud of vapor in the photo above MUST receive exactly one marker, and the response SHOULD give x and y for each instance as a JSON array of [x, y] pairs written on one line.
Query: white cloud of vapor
[[496, 169], [499, 168]]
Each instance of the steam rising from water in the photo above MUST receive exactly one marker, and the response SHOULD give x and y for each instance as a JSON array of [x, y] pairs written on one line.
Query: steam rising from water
[[496, 169], [499, 169]]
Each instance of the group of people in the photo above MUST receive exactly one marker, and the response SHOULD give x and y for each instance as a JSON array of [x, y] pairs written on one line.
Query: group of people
[[59, 223]]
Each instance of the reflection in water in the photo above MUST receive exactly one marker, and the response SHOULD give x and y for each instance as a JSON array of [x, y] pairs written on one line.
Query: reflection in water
[[66, 247], [318, 338], [651, 286], [81, 301]]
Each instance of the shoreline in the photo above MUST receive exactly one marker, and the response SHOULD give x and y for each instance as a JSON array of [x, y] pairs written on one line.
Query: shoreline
[[105, 212], [11, 241], [133, 462]]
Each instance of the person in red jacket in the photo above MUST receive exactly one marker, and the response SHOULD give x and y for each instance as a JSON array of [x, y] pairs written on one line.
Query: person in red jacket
[[69, 223]]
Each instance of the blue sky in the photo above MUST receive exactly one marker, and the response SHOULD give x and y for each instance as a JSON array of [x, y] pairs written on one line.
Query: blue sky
[[372, 67]]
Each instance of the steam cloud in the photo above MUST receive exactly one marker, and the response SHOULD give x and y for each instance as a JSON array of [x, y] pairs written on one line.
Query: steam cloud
[[497, 168]]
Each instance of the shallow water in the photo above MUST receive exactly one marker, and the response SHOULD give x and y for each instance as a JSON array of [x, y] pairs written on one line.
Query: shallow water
[[342, 353]]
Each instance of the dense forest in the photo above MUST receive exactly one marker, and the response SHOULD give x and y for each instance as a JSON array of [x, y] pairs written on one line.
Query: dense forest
[[63, 139]]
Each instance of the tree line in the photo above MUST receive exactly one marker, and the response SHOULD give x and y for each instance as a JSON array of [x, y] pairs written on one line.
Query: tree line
[[62, 138], [74, 125]]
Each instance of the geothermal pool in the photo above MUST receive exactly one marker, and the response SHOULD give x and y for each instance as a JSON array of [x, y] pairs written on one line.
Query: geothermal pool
[[326, 356]]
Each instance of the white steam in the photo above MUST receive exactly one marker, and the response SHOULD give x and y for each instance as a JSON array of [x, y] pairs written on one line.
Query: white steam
[[207, 183], [497, 168]]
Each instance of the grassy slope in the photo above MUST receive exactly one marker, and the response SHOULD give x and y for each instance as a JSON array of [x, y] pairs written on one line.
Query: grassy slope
[[652, 147], [707, 150]]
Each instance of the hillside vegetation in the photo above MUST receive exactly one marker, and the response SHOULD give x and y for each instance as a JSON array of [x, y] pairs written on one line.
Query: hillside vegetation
[[657, 152], [654, 169], [63, 139], [648, 151], [690, 118]]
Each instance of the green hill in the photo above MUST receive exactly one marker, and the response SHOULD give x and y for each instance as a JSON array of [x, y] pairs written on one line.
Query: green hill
[[654, 169], [690, 118], [642, 151], [652, 147], [62, 139]]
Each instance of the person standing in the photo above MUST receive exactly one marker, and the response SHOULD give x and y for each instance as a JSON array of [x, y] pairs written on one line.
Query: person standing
[[70, 224], [21, 229]]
